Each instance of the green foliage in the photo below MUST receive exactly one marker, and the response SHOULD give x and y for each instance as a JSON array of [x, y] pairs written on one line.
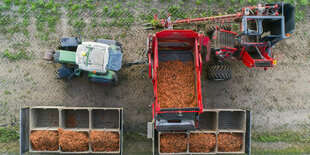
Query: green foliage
[[7, 2], [176, 12], [43, 35], [22, 9], [198, 2], [303, 2], [286, 136], [304, 149], [254, 2], [94, 23], [104, 23], [79, 24], [107, 36], [5, 20], [121, 17], [52, 21], [25, 22], [6, 92], [16, 2], [117, 6], [21, 54], [181, 2], [116, 11], [75, 7], [14, 29], [47, 14], [105, 10], [22, 2], [88, 4], [8, 135], [128, 3], [221, 4], [230, 10], [155, 23], [299, 15]]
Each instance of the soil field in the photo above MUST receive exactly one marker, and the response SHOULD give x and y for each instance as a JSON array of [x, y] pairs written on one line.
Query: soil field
[[279, 97]]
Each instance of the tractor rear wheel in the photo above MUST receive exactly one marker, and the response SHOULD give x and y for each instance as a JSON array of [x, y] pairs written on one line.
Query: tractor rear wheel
[[109, 42], [219, 73]]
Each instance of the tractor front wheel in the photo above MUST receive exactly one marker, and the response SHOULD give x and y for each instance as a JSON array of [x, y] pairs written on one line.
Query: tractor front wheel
[[219, 73]]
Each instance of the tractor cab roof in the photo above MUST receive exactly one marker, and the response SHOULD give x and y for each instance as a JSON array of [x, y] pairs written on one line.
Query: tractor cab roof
[[93, 57]]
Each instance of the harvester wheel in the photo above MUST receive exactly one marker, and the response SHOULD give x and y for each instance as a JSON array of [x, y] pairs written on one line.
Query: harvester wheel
[[219, 72]]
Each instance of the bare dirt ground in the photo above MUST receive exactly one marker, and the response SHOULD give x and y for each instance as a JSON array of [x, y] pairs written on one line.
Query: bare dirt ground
[[279, 97]]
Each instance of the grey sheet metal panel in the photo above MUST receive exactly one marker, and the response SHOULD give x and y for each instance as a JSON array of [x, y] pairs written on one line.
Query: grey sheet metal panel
[[24, 130], [44, 118], [248, 133], [121, 127]]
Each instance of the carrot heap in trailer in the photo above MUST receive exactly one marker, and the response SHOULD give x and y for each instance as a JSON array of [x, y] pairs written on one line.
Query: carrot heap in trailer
[[176, 84]]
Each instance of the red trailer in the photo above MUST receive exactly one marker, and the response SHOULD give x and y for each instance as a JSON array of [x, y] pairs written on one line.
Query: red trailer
[[172, 46]]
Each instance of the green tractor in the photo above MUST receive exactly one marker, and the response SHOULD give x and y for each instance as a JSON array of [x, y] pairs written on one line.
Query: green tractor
[[99, 60]]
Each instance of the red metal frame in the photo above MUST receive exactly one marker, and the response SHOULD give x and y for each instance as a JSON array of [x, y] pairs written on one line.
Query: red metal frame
[[222, 19], [250, 62], [226, 52], [175, 36]]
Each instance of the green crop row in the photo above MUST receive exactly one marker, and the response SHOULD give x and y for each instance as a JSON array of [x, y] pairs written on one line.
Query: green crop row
[[8, 135]]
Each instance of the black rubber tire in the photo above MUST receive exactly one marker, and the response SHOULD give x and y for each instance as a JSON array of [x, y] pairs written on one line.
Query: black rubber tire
[[72, 47], [110, 42], [219, 73]]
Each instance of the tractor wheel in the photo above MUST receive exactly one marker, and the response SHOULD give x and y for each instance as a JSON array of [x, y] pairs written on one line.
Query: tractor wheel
[[109, 42], [69, 44], [219, 73]]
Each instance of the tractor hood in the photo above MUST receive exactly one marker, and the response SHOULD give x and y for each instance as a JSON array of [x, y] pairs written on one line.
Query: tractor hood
[[92, 57]]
